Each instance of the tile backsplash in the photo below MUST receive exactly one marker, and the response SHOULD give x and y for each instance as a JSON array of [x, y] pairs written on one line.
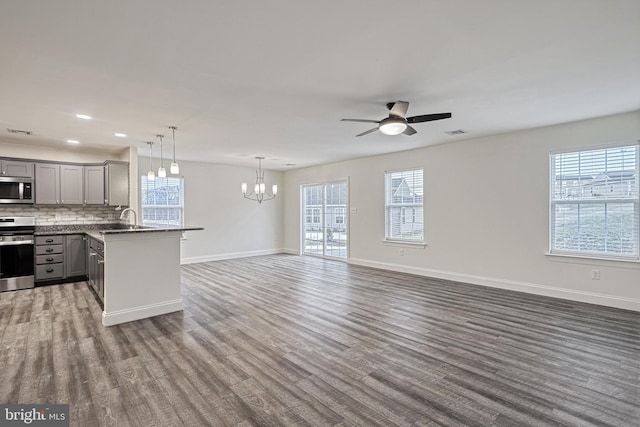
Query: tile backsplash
[[65, 215]]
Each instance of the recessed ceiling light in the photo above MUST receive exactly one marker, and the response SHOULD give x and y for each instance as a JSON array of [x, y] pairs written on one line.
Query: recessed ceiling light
[[73, 141], [120, 135], [83, 116]]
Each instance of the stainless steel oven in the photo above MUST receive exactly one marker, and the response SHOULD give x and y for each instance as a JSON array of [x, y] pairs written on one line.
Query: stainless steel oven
[[16, 190], [16, 253]]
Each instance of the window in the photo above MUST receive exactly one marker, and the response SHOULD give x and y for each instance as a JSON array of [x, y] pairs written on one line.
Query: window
[[340, 213], [594, 203], [162, 201], [404, 209]]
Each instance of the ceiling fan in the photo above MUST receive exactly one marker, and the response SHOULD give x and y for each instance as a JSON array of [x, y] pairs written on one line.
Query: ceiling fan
[[397, 123]]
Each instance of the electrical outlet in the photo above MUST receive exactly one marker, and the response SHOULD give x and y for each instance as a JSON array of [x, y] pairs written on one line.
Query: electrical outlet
[[401, 252], [595, 274]]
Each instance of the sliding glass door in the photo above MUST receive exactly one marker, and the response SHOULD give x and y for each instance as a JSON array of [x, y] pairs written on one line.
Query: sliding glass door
[[324, 220]]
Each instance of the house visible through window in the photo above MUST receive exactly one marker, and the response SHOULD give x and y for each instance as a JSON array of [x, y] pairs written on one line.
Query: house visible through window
[[594, 203], [404, 205], [162, 201]]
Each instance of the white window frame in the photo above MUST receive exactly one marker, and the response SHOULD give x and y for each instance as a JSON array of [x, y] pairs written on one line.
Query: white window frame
[[388, 205], [592, 200], [180, 207]]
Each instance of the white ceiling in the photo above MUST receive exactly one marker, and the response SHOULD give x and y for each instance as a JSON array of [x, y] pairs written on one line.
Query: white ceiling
[[274, 78]]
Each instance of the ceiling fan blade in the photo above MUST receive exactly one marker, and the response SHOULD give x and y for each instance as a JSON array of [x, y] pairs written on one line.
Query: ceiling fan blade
[[399, 109], [428, 118], [367, 132], [360, 120], [409, 130]]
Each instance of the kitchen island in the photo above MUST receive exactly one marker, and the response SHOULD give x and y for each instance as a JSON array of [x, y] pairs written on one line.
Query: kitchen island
[[141, 269]]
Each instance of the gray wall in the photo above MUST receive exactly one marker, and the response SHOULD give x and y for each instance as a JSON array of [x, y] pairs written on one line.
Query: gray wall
[[475, 233]]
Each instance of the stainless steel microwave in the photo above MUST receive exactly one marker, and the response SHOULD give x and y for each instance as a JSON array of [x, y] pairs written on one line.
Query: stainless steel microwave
[[16, 190]]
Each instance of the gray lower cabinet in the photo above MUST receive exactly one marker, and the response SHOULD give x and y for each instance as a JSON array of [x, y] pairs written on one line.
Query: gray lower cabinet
[[75, 255], [96, 267], [60, 257], [49, 258]]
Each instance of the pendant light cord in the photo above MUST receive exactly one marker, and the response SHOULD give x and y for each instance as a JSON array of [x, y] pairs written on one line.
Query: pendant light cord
[[173, 129]]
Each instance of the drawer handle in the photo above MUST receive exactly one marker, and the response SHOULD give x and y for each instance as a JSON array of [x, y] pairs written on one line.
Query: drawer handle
[[49, 250], [49, 240], [49, 259], [49, 270]]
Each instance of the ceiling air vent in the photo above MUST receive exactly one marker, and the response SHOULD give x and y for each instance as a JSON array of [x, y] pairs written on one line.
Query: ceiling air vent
[[457, 132], [24, 132]]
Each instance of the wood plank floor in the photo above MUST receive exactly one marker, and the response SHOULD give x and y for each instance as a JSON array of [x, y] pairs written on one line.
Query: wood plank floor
[[287, 340]]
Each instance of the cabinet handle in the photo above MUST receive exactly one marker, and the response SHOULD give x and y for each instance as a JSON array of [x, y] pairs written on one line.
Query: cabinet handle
[[49, 240], [49, 270], [49, 250], [49, 259], [100, 261]]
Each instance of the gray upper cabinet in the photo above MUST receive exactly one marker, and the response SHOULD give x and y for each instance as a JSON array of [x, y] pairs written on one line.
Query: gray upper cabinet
[[59, 184], [117, 183], [47, 184], [94, 185], [16, 168], [71, 185]]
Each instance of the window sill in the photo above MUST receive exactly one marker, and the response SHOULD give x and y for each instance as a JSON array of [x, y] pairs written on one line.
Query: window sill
[[586, 259], [408, 244]]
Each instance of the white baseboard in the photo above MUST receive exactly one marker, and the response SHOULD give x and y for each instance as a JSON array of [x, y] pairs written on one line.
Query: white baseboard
[[291, 251], [137, 313], [531, 288], [231, 255]]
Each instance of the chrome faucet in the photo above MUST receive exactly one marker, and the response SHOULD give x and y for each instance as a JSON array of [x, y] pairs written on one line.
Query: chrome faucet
[[135, 216]]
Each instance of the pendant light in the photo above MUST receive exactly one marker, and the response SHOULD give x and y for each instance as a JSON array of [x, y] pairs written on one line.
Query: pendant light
[[150, 175], [174, 169], [162, 172]]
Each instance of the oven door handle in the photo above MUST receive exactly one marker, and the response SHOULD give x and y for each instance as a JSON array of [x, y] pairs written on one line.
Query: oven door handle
[[20, 242]]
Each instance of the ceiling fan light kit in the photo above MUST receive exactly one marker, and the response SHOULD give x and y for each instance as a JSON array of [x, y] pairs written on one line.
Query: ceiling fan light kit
[[397, 123], [392, 126]]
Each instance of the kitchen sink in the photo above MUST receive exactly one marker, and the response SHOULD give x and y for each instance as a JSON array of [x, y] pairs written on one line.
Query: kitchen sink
[[129, 227]]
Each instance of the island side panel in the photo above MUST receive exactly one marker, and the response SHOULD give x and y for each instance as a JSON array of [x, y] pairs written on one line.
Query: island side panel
[[141, 276]]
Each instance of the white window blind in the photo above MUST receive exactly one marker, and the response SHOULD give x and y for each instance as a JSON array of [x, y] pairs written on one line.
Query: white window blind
[[404, 205], [594, 203], [162, 201]]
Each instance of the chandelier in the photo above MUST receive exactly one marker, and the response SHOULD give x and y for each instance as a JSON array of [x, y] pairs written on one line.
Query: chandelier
[[259, 193]]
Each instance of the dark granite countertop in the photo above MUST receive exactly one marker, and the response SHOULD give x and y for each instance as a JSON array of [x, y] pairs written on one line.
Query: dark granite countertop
[[98, 231]]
